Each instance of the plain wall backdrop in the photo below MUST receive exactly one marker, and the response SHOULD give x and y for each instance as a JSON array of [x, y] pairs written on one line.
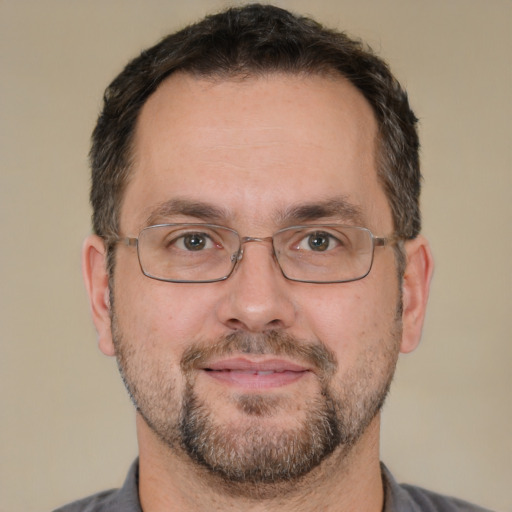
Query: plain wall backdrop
[[67, 426]]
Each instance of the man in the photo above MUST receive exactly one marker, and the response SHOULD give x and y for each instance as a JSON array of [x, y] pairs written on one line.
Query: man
[[257, 266]]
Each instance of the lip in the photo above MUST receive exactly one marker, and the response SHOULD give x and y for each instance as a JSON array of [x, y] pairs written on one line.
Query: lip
[[255, 374]]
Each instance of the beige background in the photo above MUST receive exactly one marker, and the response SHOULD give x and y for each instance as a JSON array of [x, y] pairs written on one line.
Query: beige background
[[66, 426]]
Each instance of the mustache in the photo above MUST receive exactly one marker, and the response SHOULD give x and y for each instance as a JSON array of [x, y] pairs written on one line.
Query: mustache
[[275, 343]]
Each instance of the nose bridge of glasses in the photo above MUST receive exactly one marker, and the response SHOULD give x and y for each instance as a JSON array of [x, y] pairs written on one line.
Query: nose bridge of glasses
[[249, 239]]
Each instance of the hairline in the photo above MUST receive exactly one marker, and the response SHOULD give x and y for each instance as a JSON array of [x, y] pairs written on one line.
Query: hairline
[[222, 76]]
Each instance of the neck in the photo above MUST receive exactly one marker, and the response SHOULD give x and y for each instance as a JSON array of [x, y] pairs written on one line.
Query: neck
[[345, 481]]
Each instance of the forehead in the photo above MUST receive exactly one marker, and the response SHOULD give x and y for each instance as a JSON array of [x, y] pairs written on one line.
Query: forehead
[[254, 146]]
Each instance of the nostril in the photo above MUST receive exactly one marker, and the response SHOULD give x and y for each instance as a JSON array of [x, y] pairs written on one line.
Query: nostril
[[236, 325]]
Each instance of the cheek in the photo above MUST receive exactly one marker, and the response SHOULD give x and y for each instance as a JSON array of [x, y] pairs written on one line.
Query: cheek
[[162, 315], [352, 318]]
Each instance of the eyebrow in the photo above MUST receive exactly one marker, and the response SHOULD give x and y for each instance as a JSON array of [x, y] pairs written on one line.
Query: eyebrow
[[337, 208], [187, 208]]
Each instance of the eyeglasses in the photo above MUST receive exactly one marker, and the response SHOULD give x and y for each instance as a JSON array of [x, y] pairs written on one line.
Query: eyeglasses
[[205, 253]]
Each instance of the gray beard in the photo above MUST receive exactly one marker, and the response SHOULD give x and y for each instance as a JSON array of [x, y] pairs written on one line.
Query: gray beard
[[253, 455]]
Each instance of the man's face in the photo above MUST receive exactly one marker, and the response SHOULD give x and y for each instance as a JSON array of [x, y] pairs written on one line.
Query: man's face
[[256, 377]]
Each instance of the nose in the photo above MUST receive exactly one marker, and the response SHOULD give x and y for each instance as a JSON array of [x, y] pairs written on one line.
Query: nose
[[257, 295]]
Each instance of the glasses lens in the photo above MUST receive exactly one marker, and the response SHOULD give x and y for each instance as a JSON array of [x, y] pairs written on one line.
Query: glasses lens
[[322, 254], [188, 252]]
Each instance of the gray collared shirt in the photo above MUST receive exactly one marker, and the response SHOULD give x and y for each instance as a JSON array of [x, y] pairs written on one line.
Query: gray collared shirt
[[398, 498]]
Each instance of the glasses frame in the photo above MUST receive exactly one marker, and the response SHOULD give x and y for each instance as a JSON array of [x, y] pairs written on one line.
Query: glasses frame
[[377, 241]]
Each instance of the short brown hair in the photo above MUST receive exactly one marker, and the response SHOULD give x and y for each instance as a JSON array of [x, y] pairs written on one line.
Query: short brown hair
[[250, 41]]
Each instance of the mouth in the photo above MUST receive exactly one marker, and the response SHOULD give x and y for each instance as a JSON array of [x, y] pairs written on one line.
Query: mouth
[[252, 374]]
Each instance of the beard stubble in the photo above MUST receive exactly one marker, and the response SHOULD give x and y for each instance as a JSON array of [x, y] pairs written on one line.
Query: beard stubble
[[251, 454]]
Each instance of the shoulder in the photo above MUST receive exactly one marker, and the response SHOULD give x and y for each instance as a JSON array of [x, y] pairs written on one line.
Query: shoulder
[[100, 502], [409, 498], [125, 499], [428, 501]]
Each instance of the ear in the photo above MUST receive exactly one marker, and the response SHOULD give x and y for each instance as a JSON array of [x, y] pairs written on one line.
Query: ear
[[94, 270], [415, 290]]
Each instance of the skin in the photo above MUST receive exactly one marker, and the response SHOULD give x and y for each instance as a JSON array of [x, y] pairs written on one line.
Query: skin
[[255, 148]]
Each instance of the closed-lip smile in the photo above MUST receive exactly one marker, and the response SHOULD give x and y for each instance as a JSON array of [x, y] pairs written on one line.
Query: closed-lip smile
[[256, 374]]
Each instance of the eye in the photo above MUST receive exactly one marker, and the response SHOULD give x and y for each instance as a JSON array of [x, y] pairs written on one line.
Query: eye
[[193, 242], [319, 241]]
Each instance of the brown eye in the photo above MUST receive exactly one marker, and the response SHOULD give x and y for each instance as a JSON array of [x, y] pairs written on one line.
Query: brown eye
[[194, 241], [319, 241]]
